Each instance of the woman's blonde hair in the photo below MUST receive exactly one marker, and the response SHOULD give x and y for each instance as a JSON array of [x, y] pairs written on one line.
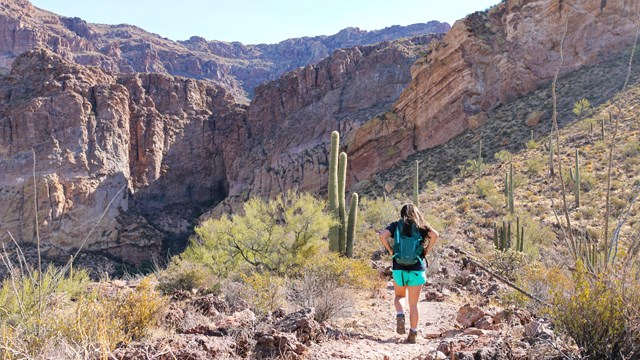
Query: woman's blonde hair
[[411, 215]]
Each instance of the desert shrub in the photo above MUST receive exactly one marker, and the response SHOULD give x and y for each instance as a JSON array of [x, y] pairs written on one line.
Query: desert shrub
[[535, 164], [27, 301], [631, 149], [275, 236], [507, 262], [138, 309], [98, 323], [504, 156], [267, 292], [539, 281], [42, 315], [328, 284], [532, 144], [377, 213], [184, 275], [472, 166], [595, 311], [485, 188]]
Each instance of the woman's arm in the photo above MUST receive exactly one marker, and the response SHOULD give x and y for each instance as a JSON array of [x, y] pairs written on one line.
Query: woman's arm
[[384, 239], [433, 236]]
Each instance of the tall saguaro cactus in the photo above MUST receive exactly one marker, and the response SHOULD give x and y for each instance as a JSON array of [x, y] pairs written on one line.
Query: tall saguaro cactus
[[416, 200], [479, 162], [342, 178], [334, 232], [351, 227], [508, 190], [577, 179], [342, 235], [551, 172]]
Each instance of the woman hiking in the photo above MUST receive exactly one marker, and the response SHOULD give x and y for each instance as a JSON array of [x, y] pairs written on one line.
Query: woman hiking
[[409, 265]]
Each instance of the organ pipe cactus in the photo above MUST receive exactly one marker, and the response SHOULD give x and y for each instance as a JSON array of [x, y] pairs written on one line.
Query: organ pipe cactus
[[351, 227], [502, 236], [334, 232]]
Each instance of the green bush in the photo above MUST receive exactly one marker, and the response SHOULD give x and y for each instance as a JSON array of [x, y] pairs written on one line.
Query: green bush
[[183, 275], [267, 292], [276, 236], [508, 262], [377, 213], [504, 156], [595, 311], [328, 282], [535, 164], [485, 188]]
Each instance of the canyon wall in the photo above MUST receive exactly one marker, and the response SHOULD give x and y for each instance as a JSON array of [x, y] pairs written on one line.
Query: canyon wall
[[133, 156]]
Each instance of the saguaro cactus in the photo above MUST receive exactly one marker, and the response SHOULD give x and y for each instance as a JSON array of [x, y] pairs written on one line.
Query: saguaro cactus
[[508, 190], [334, 232], [551, 172], [577, 179], [479, 162], [416, 200], [351, 227], [342, 178], [339, 234]]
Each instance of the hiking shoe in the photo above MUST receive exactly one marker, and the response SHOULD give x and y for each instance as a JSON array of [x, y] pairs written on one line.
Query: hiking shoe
[[400, 324], [411, 338]]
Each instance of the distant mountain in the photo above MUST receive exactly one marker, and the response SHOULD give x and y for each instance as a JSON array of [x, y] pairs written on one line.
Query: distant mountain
[[128, 49]]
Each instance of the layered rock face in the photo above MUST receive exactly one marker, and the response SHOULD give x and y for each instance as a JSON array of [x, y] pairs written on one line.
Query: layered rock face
[[127, 49], [289, 122], [104, 159], [489, 58]]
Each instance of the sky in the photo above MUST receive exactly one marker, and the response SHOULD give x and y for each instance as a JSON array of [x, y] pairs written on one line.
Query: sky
[[261, 21]]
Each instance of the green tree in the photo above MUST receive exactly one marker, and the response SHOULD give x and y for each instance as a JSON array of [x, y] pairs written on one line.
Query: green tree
[[276, 236]]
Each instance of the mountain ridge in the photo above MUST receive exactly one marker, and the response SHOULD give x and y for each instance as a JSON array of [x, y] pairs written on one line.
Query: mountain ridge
[[127, 48]]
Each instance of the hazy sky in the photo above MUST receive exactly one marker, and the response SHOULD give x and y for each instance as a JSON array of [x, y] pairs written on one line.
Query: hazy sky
[[261, 21]]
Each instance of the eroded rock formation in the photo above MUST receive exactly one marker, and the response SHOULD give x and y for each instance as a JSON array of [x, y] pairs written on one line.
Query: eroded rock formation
[[142, 142]]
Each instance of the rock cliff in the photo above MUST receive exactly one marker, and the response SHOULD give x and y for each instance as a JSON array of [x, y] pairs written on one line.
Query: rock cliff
[[74, 139], [128, 49], [290, 119], [490, 58]]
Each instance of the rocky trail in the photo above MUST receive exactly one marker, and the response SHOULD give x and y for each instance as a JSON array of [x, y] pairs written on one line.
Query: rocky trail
[[460, 319]]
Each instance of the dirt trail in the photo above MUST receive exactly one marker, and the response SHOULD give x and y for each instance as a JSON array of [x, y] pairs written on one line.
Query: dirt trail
[[372, 330]]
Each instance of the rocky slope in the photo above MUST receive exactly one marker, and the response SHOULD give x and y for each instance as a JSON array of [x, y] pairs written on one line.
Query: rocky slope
[[128, 49], [489, 59]]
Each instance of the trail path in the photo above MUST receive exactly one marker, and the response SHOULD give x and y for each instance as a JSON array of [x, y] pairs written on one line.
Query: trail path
[[372, 329]]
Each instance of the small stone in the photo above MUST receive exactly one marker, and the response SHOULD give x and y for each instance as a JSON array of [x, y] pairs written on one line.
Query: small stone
[[474, 331], [468, 315]]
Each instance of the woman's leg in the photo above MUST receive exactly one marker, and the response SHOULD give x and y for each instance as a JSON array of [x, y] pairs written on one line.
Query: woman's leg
[[401, 292], [414, 297]]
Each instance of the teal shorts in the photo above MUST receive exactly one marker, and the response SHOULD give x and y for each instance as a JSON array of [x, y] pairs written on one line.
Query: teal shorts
[[409, 277]]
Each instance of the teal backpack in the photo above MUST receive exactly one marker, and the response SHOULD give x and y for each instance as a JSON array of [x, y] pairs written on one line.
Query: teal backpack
[[407, 249]]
